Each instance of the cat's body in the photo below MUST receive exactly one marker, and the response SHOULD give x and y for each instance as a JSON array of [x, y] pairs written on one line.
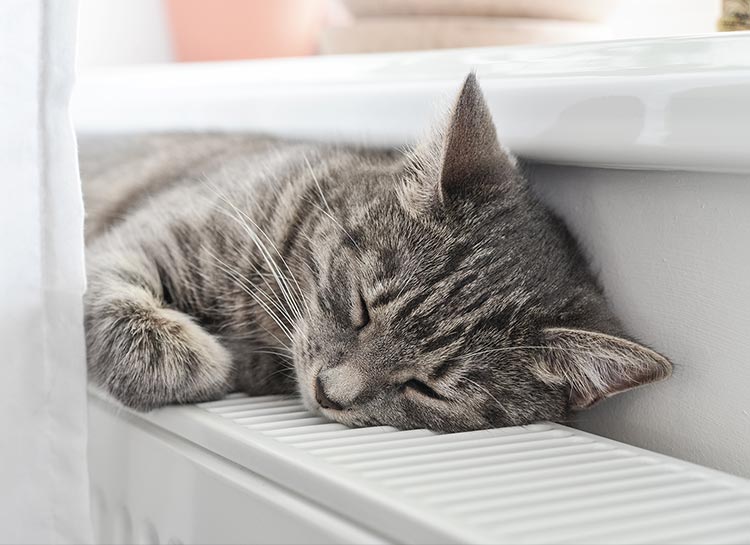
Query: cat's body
[[428, 289], [177, 210]]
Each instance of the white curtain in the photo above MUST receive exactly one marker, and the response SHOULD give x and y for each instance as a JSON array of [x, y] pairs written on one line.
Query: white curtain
[[43, 473]]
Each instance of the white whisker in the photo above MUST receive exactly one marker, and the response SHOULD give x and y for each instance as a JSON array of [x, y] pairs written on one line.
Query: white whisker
[[242, 219], [275, 271], [237, 277], [317, 184]]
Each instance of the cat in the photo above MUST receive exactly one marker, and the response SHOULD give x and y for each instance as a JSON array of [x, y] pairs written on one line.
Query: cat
[[420, 289]]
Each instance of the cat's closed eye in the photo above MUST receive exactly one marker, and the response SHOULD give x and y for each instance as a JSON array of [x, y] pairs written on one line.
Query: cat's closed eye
[[360, 313], [421, 388]]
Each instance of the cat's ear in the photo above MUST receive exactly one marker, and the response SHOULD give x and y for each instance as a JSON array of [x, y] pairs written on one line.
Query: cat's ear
[[461, 156], [471, 153], [596, 366]]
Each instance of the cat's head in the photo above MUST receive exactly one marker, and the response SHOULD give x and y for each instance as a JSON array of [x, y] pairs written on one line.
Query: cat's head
[[453, 300]]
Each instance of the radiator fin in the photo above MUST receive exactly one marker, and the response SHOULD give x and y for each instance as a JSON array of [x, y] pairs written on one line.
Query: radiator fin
[[543, 483]]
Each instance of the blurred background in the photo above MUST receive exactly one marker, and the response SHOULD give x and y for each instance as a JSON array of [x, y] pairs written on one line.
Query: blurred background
[[117, 32]]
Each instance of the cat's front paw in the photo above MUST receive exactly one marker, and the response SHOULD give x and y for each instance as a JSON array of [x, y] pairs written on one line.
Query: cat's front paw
[[147, 356]]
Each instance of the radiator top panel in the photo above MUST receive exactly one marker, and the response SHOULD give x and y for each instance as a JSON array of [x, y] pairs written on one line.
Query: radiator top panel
[[543, 483]]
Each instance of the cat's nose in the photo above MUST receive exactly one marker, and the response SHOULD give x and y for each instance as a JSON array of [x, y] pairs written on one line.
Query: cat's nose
[[322, 399]]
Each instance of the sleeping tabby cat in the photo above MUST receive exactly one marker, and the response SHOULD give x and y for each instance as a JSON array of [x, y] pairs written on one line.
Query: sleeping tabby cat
[[427, 289]]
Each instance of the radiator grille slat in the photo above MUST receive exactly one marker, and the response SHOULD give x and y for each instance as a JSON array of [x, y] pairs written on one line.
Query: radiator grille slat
[[543, 483], [576, 459], [261, 409], [542, 494], [550, 452], [235, 401], [264, 418], [367, 437], [342, 435], [314, 426], [469, 488], [427, 443], [563, 505], [468, 452], [295, 420]]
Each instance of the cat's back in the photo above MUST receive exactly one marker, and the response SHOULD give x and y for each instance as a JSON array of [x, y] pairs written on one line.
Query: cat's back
[[119, 173], [123, 173]]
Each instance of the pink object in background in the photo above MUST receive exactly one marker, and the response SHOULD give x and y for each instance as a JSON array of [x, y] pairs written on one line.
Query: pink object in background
[[244, 29]]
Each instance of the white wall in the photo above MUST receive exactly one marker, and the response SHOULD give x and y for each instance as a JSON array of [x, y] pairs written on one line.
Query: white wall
[[672, 250], [116, 32]]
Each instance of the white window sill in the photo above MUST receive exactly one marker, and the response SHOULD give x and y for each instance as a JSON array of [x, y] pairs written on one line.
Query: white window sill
[[667, 103]]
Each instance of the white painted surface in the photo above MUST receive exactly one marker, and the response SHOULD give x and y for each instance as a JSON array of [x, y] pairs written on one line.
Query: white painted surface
[[667, 103], [672, 250]]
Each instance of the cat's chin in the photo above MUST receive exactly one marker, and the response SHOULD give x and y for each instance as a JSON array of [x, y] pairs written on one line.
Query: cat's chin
[[347, 417]]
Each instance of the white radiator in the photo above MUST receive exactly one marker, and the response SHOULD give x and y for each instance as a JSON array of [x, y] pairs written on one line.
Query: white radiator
[[263, 470], [192, 474]]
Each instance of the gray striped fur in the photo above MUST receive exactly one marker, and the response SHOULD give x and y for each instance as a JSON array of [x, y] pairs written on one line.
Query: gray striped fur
[[223, 262]]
